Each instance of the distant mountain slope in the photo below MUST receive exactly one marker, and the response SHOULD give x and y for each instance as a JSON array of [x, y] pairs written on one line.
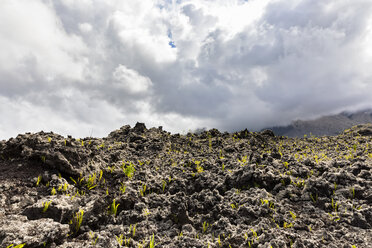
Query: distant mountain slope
[[326, 125]]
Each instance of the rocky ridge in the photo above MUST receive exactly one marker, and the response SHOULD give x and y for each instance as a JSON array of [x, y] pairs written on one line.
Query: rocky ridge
[[325, 125], [142, 187]]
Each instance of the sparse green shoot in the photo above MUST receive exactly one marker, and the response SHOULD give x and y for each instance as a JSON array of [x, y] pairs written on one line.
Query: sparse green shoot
[[77, 220], [205, 226], [152, 242], [113, 208], [293, 215], [46, 205], [38, 180], [122, 188]]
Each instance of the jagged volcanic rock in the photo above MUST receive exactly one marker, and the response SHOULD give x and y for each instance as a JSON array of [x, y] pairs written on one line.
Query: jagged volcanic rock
[[140, 186]]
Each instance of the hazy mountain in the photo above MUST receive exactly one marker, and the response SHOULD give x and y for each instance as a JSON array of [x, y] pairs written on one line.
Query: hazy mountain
[[326, 125]]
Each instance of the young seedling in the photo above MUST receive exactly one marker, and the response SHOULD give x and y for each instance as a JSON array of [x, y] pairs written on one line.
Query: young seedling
[[143, 190], [163, 184], [129, 170], [254, 234], [122, 188], [38, 180], [353, 192], [152, 242], [46, 205], [287, 225], [293, 215], [113, 208], [314, 199], [220, 155], [93, 237], [120, 240], [146, 212], [91, 182], [77, 220], [53, 192], [199, 168], [17, 246], [334, 205], [285, 165], [133, 229], [243, 161], [205, 226]]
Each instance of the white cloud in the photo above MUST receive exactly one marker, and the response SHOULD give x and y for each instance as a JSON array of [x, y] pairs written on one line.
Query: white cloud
[[32, 36], [129, 80], [230, 64], [85, 27]]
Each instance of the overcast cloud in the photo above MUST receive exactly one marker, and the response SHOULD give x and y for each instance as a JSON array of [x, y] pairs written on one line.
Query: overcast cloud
[[88, 67]]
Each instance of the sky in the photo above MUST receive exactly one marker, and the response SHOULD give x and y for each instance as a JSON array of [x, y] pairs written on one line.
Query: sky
[[88, 67]]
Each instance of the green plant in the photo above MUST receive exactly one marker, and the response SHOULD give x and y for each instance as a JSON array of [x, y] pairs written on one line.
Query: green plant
[[334, 205], [143, 190], [77, 220], [53, 192], [243, 161], [254, 234], [163, 184], [353, 192], [314, 199], [293, 215], [220, 155], [133, 229], [38, 180], [120, 240], [129, 170], [113, 208], [146, 212], [91, 182], [152, 242], [46, 205], [287, 225], [93, 237], [205, 226], [199, 168], [17, 246], [122, 188], [219, 241]]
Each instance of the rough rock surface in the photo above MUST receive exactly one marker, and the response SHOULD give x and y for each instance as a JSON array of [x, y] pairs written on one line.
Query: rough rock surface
[[142, 187]]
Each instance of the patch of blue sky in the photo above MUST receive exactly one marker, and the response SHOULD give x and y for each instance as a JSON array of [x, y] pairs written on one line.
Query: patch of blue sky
[[172, 45]]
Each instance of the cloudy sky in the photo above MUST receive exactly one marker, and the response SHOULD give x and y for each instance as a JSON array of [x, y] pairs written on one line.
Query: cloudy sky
[[88, 67]]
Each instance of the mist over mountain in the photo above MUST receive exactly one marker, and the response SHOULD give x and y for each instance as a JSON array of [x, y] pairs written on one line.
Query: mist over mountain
[[326, 125]]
